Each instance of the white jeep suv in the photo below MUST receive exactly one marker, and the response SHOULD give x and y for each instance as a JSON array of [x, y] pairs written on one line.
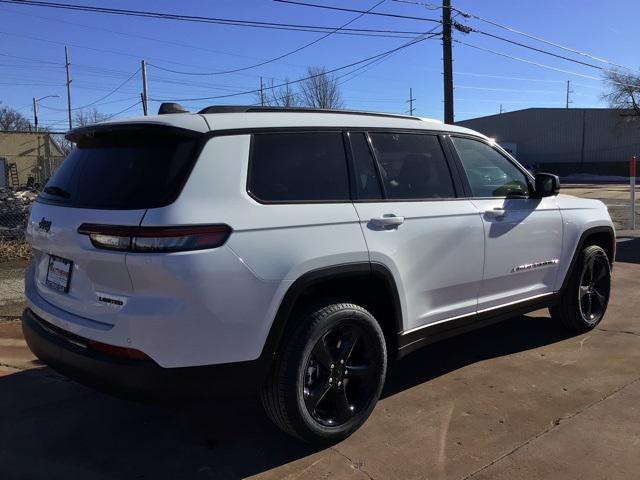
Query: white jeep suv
[[295, 252]]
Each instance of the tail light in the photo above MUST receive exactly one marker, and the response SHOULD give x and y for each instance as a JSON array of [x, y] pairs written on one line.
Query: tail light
[[156, 239]]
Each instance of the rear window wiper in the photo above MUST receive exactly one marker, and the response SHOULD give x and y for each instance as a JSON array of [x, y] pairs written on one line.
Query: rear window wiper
[[57, 191]]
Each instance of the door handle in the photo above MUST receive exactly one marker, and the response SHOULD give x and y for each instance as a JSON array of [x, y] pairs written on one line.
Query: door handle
[[495, 213], [387, 222]]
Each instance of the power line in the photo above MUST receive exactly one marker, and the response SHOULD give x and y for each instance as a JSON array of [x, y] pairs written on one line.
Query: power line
[[32, 59], [413, 42], [321, 29], [524, 79], [487, 100], [539, 50], [371, 63], [101, 50], [279, 57], [528, 35], [33, 84], [353, 10], [504, 89], [123, 110], [93, 49], [542, 65], [111, 92], [120, 100], [190, 18], [547, 42]]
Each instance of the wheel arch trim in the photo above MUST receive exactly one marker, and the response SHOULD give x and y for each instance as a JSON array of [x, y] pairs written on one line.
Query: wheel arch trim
[[320, 275], [580, 245]]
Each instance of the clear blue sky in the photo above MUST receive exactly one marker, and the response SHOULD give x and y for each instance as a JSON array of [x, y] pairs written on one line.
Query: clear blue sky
[[107, 49]]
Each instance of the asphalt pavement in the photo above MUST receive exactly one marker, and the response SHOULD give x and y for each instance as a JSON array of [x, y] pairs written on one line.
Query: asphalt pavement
[[519, 400]]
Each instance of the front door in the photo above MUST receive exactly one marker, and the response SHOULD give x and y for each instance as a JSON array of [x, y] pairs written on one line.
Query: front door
[[523, 234], [415, 224]]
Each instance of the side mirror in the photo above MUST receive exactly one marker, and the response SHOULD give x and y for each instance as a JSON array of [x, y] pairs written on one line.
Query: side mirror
[[547, 185]]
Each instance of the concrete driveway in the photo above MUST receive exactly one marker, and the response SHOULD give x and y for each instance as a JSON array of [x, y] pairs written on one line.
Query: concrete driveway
[[519, 400]]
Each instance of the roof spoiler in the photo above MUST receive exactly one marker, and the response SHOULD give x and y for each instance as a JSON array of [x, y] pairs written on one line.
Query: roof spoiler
[[98, 130]]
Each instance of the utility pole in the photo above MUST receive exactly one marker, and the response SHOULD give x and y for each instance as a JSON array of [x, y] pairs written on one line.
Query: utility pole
[[35, 114], [66, 66], [410, 101], [145, 93], [261, 93], [447, 59], [500, 109], [569, 91]]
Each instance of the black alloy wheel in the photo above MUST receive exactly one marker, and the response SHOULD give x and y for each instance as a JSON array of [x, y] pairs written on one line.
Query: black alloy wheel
[[583, 301], [594, 289], [340, 376], [329, 375]]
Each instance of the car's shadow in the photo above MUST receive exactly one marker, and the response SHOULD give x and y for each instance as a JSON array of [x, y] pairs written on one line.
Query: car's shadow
[[57, 429]]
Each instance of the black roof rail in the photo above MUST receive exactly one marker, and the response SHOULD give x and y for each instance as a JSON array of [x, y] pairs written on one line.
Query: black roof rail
[[269, 109]]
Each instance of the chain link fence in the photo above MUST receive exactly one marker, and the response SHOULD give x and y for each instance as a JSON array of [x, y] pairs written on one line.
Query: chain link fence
[[27, 161], [15, 206]]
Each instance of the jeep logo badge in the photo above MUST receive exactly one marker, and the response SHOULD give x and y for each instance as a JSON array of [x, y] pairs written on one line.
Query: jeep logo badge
[[44, 225]]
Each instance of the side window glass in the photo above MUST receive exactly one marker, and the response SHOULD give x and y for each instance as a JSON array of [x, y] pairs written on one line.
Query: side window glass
[[367, 184], [412, 166], [298, 167], [490, 174]]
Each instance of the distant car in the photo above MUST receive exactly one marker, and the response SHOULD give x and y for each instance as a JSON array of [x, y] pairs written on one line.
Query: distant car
[[294, 252]]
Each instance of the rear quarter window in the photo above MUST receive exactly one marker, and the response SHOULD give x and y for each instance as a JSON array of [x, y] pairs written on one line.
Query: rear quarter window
[[298, 167]]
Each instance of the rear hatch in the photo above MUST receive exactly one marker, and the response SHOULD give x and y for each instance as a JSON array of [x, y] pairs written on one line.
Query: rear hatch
[[112, 177]]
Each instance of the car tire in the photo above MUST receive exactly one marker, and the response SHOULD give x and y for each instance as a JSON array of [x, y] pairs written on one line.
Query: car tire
[[329, 374], [584, 301]]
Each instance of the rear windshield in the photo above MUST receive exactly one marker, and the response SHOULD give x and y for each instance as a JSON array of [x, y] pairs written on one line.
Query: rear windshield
[[122, 170]]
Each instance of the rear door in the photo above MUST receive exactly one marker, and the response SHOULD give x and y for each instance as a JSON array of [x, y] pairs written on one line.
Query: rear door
[[523, 234], [416, 225], [110, 178]]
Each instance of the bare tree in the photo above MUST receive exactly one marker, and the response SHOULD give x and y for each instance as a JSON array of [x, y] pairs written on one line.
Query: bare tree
[[317, 89], [624, 91], [282, 96], [11, 119], [65, 145], [320, 89], [88, 117]]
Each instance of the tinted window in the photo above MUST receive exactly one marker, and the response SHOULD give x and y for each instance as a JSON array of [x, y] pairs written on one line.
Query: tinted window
[[412, 166], [490, 173], [122, 171], [367, 184], [299, 167]]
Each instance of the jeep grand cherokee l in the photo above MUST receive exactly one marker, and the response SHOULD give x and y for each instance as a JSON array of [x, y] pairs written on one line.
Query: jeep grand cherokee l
[[296, 252]]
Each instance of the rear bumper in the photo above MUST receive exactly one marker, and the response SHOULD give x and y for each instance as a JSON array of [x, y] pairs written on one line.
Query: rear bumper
[[143, 379]]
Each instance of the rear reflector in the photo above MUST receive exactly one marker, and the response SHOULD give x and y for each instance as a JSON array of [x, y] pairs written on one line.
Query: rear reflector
[[156, 239], [121, 352]]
